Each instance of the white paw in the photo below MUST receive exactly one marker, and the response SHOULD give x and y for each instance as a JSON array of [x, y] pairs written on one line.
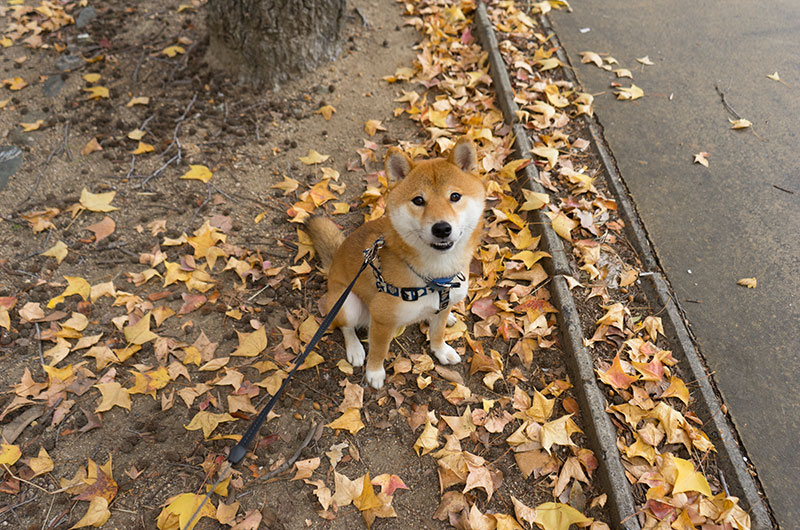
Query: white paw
[[355, 353], [451, 320], [447, 355], [376, 378]]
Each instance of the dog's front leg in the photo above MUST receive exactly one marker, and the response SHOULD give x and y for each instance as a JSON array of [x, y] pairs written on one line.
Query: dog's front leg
[[380, 336], [443, 351]]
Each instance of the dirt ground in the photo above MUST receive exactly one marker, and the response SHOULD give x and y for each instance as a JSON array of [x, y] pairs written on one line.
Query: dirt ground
[[250, 141]]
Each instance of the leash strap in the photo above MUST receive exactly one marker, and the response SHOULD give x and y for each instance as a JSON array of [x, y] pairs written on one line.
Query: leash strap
[[238, 451]]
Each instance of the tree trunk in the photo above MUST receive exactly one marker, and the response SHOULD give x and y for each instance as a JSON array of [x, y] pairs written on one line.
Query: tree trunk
[[264, 43]]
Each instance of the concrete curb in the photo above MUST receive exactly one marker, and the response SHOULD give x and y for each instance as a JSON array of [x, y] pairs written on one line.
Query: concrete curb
[[600, 431]]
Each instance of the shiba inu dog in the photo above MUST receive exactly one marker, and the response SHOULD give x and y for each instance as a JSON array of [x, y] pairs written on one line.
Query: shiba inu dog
[[433, 222]]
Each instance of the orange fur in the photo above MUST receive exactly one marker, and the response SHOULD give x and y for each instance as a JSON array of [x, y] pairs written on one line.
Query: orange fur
[[411, 244]]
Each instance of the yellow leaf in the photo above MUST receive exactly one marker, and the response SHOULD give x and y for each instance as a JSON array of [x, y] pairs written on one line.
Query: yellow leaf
[[428, 440], [288, 185], [629, 93], [313, 158], [96, 515], [98, 202], [372, 126], [113, 395], [198, 172], [138, 100], [591, 57], [140, 332], [207, 421], [367, 500], [701, 158], [91, 146], [677, 388], [143, 148], [75, 285], [15, 83], [563, 225], [42, 463], [28, 127], [251, 344], [550, 153], [180, 509], [688, 479], [136, 134], [623, 72], [92, 78], [533, 200], [340, 208], [557, 516], [558, 432], [349, 421], [750, 283], [327, 111], [172, 51], [741, 123], [9, 454], [97, 92], [58, 251]]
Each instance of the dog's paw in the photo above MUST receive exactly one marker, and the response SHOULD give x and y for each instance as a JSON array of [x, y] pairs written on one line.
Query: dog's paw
[[451, 320], [376, 378], [447, 355], [355, 353]]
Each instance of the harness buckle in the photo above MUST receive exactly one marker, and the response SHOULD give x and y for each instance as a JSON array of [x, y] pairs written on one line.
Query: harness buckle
[[372, 252]]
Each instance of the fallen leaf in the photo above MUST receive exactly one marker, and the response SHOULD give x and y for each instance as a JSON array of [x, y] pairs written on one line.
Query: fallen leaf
[[42, 463], [688, 479], [645, 60], [367, 499], [97, 92], [114, 395], [75, 285], [750, 283], [179, 510], [427, 440], [741, 123], [305, 468], [629, 93], [327, 111], [97, 202], [372, 126], [103, 228], [143, 148], [33, 126], [92, 78], [591, 57], [172, 51], [563, 225], [58, 251], [558, 432], [313, 158], [96, 515], [139, 100], [557, 516], [9, 454], [198, 172], [140, 332], [91, 146], [207, 421], [701, 158], [251, 344], [349, 421]]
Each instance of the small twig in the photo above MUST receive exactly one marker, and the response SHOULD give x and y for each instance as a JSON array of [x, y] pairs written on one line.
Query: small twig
[[133, 166], [52, 500], [29, 483], [782, 189], [724, 483], [727, 105], [66, 142], [363, 17], [135, 77], [224, 194], [286, 465], [39, 343], [56, 150]]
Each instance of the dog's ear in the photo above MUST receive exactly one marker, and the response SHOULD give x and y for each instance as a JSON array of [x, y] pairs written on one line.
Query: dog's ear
[[397, 164], [463, 155]]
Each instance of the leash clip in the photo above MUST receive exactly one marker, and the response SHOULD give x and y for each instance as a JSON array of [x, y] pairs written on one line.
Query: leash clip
[[372, 252]]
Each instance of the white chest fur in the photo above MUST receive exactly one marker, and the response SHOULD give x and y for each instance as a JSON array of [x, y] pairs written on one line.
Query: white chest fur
[[426, 306]]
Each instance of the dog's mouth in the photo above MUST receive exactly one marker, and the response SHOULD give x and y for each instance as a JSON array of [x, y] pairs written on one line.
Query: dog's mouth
[[443, 245]]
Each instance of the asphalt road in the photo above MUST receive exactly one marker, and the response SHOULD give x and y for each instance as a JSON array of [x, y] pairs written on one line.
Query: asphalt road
[[740, 217]]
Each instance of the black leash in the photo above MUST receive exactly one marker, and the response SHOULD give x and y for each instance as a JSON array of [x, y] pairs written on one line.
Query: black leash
[[238, 451]]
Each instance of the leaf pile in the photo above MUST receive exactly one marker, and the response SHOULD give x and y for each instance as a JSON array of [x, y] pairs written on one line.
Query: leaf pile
[[663, 446]]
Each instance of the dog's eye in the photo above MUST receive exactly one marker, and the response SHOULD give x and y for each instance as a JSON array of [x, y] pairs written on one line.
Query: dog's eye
[[455, 197], [418, 200]]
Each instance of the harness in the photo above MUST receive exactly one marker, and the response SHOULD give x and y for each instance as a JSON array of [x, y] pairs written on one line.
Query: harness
[[441, 286]]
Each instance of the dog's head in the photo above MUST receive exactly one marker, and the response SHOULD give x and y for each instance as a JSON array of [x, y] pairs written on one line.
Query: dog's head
[[435, 203]]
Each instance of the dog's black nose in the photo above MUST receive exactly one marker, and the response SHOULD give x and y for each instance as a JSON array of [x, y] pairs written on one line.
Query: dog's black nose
[[441, 229]]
